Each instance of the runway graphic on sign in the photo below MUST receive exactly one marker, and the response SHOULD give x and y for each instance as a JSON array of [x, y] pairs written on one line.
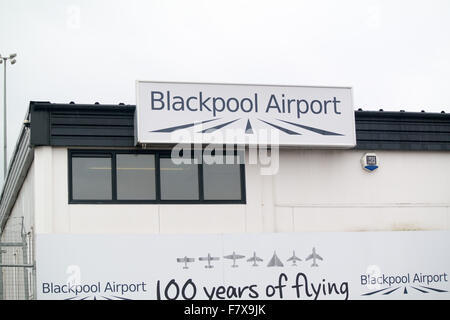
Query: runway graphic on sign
[[248, 127]]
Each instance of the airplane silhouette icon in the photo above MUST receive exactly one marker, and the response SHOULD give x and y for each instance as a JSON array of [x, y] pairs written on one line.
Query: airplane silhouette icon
[[209, 259], [185, 260], [314, 256], [254, 259], [234, 257], [275, 261], [294, 259]]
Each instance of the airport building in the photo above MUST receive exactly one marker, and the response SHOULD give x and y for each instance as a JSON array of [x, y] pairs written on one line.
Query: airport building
[[80, 171]]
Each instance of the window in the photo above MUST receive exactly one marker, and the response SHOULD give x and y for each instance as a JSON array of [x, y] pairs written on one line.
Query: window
[[222, 181], [91, 178], [178, 181], [141, 176], [136, 177]]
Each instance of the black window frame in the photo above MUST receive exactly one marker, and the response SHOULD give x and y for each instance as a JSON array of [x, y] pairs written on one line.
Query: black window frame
[[158, 154]]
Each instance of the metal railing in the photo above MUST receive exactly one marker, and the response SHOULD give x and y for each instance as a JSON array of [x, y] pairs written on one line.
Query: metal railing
[[17, 267]]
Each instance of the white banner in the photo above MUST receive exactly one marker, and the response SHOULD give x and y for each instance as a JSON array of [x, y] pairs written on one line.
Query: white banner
[[169, 112], [304, 266]]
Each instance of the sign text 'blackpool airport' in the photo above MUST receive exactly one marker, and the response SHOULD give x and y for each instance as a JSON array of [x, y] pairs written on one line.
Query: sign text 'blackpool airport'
[[170, 112]]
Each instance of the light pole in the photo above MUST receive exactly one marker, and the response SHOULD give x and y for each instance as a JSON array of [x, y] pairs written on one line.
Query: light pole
[[4, 60]]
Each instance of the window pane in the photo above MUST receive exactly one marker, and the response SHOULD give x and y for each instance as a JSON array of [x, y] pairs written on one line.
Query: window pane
[[91, 178], [136, 177], [222, 181], [178, 182]]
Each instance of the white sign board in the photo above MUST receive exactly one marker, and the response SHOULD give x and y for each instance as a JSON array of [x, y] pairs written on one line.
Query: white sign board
[[354, 265], [169, 112]]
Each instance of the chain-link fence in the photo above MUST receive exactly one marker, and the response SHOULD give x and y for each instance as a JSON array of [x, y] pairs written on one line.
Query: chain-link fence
[[17, 272]]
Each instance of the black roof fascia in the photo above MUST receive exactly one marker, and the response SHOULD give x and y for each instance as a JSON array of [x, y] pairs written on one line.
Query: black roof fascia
[[97, 125], [387, 130], [81, 125]]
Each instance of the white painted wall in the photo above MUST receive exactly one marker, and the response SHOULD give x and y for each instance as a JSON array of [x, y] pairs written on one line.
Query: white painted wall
[[327, 190], [314, 190]]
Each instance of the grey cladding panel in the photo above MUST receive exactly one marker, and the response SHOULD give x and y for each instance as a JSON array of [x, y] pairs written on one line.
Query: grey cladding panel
[[403, 136], [92, 141], [374, 126], [64, 119], [393, 145], [98, 131]]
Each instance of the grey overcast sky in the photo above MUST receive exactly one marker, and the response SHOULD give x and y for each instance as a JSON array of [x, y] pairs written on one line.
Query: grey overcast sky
[[395, 54]]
